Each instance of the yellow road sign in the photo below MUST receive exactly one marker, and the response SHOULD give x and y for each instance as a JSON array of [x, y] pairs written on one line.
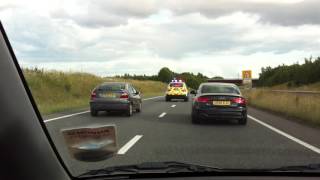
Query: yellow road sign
[[247, 74]]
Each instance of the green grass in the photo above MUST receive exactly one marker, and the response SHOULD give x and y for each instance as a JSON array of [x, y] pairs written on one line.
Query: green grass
[[305, 108], [56, 91]]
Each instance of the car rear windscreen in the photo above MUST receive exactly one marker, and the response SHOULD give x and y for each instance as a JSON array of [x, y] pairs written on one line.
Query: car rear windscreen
[[112, 87], [176, 85], [219, 89]]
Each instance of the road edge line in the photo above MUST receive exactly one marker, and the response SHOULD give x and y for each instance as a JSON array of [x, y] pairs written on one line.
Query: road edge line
[[65, 116], [304, 144], [152, 98], [129, 144]]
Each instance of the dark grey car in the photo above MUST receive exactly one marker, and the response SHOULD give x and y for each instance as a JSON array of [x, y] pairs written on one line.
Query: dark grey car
[[215, 101], [115, 96]]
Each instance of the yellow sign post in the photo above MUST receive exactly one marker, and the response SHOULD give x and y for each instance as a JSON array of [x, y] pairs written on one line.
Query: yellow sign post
[[247, 74], [247, 79]]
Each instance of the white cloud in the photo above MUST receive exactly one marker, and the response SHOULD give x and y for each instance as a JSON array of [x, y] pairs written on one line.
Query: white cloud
[[109, 38]]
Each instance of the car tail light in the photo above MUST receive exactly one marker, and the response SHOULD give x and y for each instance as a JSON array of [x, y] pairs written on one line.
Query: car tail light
[[202, 99], [239, 100], [124, 96], [93, 95]]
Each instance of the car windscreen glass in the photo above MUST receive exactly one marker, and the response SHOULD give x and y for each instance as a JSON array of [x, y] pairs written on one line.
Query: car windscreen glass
[[219, 89], [212, 83], [176, 85], [111, 87]]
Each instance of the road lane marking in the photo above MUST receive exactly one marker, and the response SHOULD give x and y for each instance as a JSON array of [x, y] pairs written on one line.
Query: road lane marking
[[66, 116], [162, 114], [152, 98], [173, 105], [309, 146], [83, 112], [129, 144]]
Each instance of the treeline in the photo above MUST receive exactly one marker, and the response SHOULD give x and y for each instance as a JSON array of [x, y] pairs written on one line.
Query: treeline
[[166, 75], [138, 77], [294, 75]]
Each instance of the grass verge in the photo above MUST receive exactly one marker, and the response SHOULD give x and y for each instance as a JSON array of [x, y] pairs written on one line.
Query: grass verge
[[304, 107], [56, 91]]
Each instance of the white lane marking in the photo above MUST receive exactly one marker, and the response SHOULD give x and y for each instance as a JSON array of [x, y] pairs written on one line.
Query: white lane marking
[[309, 146], [173, 105], [75, 114], [129, 144], [162, 114], [66, 116], [152, 98]]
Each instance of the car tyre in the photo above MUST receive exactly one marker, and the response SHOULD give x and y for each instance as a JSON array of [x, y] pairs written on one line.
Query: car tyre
[[93, 112], [129, 110], [186, 99], [243, 121], [139, 108], [168, 99]]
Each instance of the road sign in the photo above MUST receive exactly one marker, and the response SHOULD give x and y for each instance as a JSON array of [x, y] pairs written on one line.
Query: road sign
[[247, 74]]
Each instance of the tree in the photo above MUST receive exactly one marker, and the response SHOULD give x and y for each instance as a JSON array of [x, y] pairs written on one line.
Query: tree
[[165, 75], [217, 78]]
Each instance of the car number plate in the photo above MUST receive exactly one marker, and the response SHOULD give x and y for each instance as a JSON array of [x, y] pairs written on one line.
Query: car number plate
[[111, 95], [221, 103]]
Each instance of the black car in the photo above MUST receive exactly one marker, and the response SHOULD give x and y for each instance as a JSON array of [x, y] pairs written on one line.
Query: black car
[[218, 101], [115, 96]]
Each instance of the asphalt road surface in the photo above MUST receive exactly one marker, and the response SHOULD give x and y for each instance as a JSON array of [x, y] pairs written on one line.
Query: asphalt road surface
[[163, 132]]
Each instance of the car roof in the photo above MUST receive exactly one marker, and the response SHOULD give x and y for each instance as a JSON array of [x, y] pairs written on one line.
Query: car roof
[[107, 83], [221, 84]]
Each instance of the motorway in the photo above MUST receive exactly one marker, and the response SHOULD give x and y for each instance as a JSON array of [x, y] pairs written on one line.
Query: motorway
[[163, 132]]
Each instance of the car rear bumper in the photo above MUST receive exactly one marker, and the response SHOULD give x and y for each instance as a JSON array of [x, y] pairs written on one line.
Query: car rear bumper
[[221, 113], [112, 106], [180, 96]]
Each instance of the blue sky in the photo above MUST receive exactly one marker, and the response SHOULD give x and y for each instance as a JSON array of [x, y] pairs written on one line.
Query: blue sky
[[106, 37]]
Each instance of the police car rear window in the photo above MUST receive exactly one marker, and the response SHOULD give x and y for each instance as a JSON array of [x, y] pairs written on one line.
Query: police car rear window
[[176, 85]]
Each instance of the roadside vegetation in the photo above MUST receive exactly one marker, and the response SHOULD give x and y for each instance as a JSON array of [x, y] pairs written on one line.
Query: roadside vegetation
[[303, 107], [296, 77], [165, 75], [56, 91]]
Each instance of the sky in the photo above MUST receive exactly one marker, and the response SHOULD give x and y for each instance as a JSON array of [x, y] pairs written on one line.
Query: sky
[[108, 37]]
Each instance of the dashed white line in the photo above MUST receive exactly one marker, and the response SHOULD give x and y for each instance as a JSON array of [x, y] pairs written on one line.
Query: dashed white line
[[75, 114], [162, 114], [129, 144], [173, 105], [309, 146]]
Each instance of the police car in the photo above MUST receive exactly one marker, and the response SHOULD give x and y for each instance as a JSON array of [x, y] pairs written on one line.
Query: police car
[[177, 89]]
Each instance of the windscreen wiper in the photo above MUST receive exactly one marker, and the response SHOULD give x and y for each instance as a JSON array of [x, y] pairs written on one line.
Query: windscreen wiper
[[304, 168], [152, 168], [173, 167]]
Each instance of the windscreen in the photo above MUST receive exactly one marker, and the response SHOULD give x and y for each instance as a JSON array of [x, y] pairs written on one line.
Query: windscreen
[[219, 89], [111, 87], [211, 83], [176, 85]]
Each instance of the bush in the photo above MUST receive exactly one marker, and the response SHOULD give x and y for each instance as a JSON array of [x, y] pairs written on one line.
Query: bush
[[294, 75]]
